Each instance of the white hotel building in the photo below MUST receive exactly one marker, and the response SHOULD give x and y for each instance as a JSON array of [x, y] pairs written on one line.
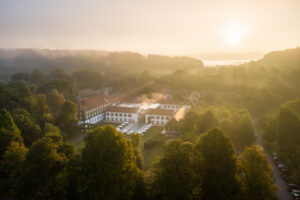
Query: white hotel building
[[92, 110], [122, 114], [170, 105], [158, 117]]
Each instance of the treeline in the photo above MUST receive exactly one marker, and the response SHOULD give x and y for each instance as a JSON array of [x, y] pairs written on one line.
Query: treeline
[[258, 87], [109, 167], [25, 60], [237, 124], [282, 134], [34, 105]]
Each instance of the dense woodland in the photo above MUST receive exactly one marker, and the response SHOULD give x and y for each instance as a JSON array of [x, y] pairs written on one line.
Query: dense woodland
[[214, 157]]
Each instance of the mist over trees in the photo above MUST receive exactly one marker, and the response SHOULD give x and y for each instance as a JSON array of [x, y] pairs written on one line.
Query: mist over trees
[[212, 157]]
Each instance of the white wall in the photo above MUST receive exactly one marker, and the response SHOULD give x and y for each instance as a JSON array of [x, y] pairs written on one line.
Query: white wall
[[175, 108], [95, 119], [115, 117], [158, 120]]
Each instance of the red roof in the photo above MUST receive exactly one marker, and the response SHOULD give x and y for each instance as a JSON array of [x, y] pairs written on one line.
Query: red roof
[[170, 102], [93, 102], [160, 112], [86, 93], [122, 109]]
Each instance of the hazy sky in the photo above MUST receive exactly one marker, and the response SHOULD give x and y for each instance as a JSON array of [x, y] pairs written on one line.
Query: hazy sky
[[151, 26]]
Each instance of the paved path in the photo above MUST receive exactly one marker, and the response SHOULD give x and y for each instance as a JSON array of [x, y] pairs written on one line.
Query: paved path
[[282, 192]]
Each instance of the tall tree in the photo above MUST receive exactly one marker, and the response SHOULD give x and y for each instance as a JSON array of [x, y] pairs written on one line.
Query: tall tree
[[11, 161], [55, 100], [108, 166], [257, 179], [43, 173], [29, 130], [67, 119], [9, 132], [136, 141], [174, 174], [216, 167]]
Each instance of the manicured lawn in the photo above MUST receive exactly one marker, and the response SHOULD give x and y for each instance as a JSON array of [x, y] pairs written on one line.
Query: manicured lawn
[[153, 153]]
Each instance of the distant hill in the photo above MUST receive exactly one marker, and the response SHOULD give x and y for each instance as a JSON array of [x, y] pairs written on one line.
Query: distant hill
[[288, 58], [25, 60]]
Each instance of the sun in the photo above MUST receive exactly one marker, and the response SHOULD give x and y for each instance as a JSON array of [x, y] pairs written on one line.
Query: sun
[[234, 34], [234, 38]]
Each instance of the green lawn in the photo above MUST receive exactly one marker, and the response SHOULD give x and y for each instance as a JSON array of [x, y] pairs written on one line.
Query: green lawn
[[154, 153]]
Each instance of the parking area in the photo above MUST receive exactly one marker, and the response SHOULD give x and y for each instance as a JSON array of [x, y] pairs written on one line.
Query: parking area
[[129, 128]]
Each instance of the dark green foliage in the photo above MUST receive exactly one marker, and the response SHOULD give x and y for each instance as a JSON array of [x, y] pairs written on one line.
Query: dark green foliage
[[136, 142], [11, 160], [174, 173], [29, 130], [282, 133], [109, 168], [207, 120], [257, 180], [55, 100], [216, 167], [43, 173], [9, 132], [67, 119], [88, 79]]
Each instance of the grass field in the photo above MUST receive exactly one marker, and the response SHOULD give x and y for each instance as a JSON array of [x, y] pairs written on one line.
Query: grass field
[[152, 154]]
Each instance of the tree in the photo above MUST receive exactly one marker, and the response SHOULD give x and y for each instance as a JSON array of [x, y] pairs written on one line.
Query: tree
[[29, 130], [41, 111], [174, 174], [190, 122], [109, 168], [136, 141], [257, 175], [12, 159], [55, 100], [207, 120], [288, 130], [67, 119], [43, 173], [37, 77], [9, 132], [243, 129], [216, 167]]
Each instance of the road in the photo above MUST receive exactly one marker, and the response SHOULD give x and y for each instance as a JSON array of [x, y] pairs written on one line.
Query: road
[[282, 192]]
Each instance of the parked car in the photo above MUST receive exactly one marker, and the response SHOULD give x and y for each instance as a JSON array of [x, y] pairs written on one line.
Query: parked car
[[296, 193], [293, 186], [280, 166]]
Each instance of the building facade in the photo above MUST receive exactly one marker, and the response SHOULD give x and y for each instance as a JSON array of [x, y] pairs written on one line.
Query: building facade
[[92, 110], [170, 105], [158, 117], [121, 114]]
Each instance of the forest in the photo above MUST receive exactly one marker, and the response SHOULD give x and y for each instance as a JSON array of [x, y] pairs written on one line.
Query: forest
[[214, 157]]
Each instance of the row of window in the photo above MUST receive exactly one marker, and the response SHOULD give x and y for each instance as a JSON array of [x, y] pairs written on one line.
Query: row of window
[[159, 117], [96, 119], [118, 114], [158, 122], [170, 106], [95, 111], [118, 119]]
